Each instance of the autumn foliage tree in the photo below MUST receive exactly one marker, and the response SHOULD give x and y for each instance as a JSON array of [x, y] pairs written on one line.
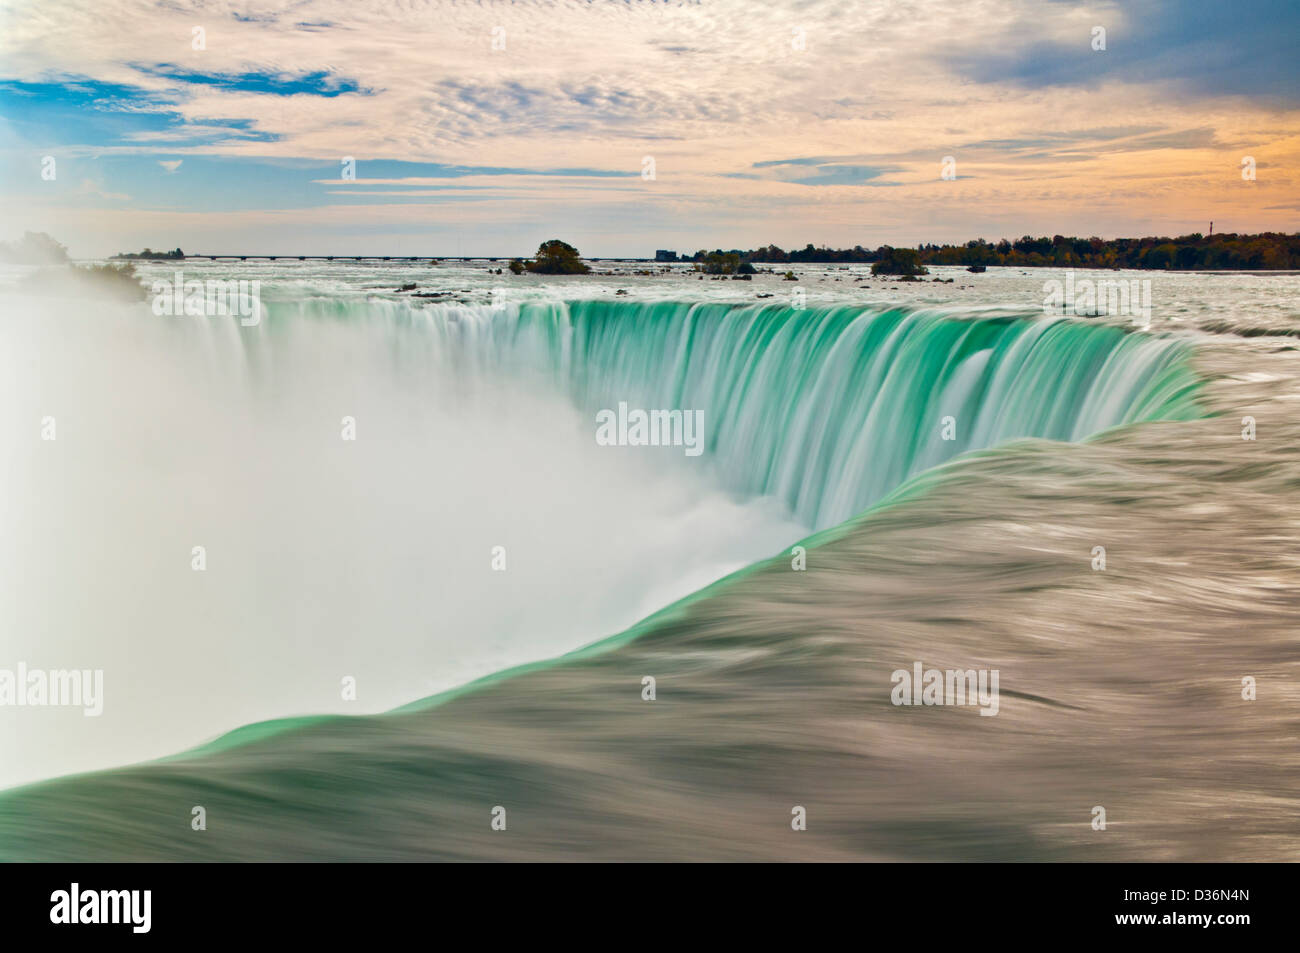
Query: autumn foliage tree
[[558, 258]]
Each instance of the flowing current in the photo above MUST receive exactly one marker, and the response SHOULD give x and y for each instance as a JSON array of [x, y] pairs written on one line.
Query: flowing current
[[200, 528]]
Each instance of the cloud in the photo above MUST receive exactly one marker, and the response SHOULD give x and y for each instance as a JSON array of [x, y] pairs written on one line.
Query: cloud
[[820, 170], [1200, 48], [94, 190], [317, 83], [844, 135], [171, 165]]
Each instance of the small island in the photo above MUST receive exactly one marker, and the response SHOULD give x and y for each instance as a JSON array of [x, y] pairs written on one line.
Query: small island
[[150, 255], [722, 263], [905, 262], [554, 257]]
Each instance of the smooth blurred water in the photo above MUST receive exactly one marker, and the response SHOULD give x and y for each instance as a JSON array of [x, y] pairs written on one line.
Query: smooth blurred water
[[372, 559], [325, 558]]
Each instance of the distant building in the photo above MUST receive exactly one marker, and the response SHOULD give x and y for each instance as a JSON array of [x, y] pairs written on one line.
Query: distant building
[[662, 255]]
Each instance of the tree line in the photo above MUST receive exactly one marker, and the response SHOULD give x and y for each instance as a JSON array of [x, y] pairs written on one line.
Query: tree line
[[1194, 252]]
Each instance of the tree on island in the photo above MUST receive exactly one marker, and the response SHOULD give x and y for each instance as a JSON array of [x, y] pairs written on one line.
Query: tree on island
[[721, 262], [899, 261], [150, 255], [717, 262], [556, 258]]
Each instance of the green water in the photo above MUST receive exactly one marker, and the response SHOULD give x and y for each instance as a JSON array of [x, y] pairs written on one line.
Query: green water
[[829, 410]]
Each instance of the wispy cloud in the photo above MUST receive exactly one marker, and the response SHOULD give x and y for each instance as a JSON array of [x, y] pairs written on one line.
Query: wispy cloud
[[778, 122]]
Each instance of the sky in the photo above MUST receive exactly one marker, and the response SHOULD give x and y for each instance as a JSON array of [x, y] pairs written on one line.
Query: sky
[[485, 128]]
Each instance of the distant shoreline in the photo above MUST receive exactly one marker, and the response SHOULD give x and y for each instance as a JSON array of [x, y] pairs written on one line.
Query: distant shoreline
[[495, 259], [1222, 253]]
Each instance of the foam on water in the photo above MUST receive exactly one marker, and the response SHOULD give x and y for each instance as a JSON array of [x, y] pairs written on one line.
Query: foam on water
[[372, 559]]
